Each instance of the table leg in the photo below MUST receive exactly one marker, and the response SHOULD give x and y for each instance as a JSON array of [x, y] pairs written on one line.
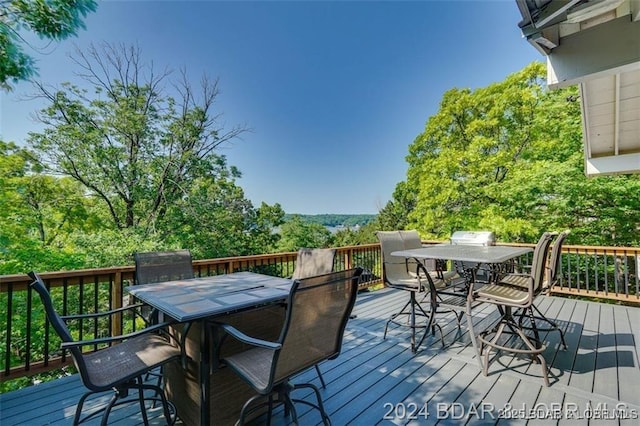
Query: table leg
[[205, 361], [472, 334]]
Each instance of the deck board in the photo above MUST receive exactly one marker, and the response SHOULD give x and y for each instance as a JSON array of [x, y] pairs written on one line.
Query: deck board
[[582, 372], [523, 397], [373, 375], [627, 357], [564, 361], [605, 381]]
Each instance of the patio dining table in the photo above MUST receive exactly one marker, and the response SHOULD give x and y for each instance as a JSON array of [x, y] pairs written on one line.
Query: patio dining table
[[465, 253], [199, 300], [468, 254]]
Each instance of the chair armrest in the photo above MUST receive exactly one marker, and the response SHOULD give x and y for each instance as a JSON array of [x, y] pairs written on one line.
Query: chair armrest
[[101, 314], [80, 343], [240, 336]]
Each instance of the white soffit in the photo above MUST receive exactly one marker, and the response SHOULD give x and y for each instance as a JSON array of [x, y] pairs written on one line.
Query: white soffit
[[596, 45], [611, 123]]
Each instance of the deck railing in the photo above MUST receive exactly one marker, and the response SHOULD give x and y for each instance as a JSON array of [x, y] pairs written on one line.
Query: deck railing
[[31, 347], [607, 273]]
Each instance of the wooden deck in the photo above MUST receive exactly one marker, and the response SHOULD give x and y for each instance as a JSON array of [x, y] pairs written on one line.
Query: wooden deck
[[378, 381]]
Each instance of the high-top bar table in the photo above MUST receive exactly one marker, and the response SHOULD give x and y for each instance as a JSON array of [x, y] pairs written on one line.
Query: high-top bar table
[[465, 253], [492, 255], [242, 298]]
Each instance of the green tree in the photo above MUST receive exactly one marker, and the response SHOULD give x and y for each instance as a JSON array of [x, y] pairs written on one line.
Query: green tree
[[52, 19], [148, 156], [467, 151], [395, 214], [262, 238], [508, 157], [38, 212], [296, 234], [215, 220], [353, 237], [135, 147]]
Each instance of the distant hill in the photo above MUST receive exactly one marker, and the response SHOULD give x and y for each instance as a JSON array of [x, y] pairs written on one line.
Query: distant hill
[[333, 220]]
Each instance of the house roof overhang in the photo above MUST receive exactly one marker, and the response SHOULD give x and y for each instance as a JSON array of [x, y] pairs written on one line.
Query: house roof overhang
[[594, 44]]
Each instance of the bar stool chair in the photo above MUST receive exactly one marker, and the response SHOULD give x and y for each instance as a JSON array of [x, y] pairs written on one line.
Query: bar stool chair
[[514, 301]]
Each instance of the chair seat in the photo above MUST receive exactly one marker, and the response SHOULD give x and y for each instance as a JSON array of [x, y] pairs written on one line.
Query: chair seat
[[516, 280], [452, 301], [117, 368], [113, 365], [503, 293], [448, 276], [409, 284], [253, 365]]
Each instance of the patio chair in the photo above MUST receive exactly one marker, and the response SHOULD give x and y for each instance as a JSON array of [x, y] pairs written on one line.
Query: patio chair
[[436, 267], [514, 303], [411, 239], [318, 309], [310, 263], [403, 274], [118, 368], [555, 262], [554, 272], [157, 266]]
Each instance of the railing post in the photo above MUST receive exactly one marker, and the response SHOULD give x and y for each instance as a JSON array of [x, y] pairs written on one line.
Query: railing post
[[116, 302], [348, 259]]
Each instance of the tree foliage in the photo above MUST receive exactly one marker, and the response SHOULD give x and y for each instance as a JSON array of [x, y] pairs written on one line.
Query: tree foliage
[[127, 164], [296, 234], [37, 213], [135, 147], [52, 19], [508, 157], [395, 214]]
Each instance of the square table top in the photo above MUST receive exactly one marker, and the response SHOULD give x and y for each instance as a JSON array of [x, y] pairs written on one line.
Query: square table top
[[465, 253], [197, 298]]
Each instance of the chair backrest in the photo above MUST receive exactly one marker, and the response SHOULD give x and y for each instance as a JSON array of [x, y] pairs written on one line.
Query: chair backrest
[[317, 313], [394, 268], [158, 266], [538, 266], [411, 240], [59, 325], [555, 262], [312, 262]]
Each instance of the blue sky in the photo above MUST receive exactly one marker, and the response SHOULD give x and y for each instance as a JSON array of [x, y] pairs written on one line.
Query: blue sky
[[334, 92]]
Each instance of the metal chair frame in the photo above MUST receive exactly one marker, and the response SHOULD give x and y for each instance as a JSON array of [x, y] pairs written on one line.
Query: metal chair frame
[[410, 275], [554, 274], [515, 304], [121, 381], [157, 266], [277, 361], [312, 262]]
